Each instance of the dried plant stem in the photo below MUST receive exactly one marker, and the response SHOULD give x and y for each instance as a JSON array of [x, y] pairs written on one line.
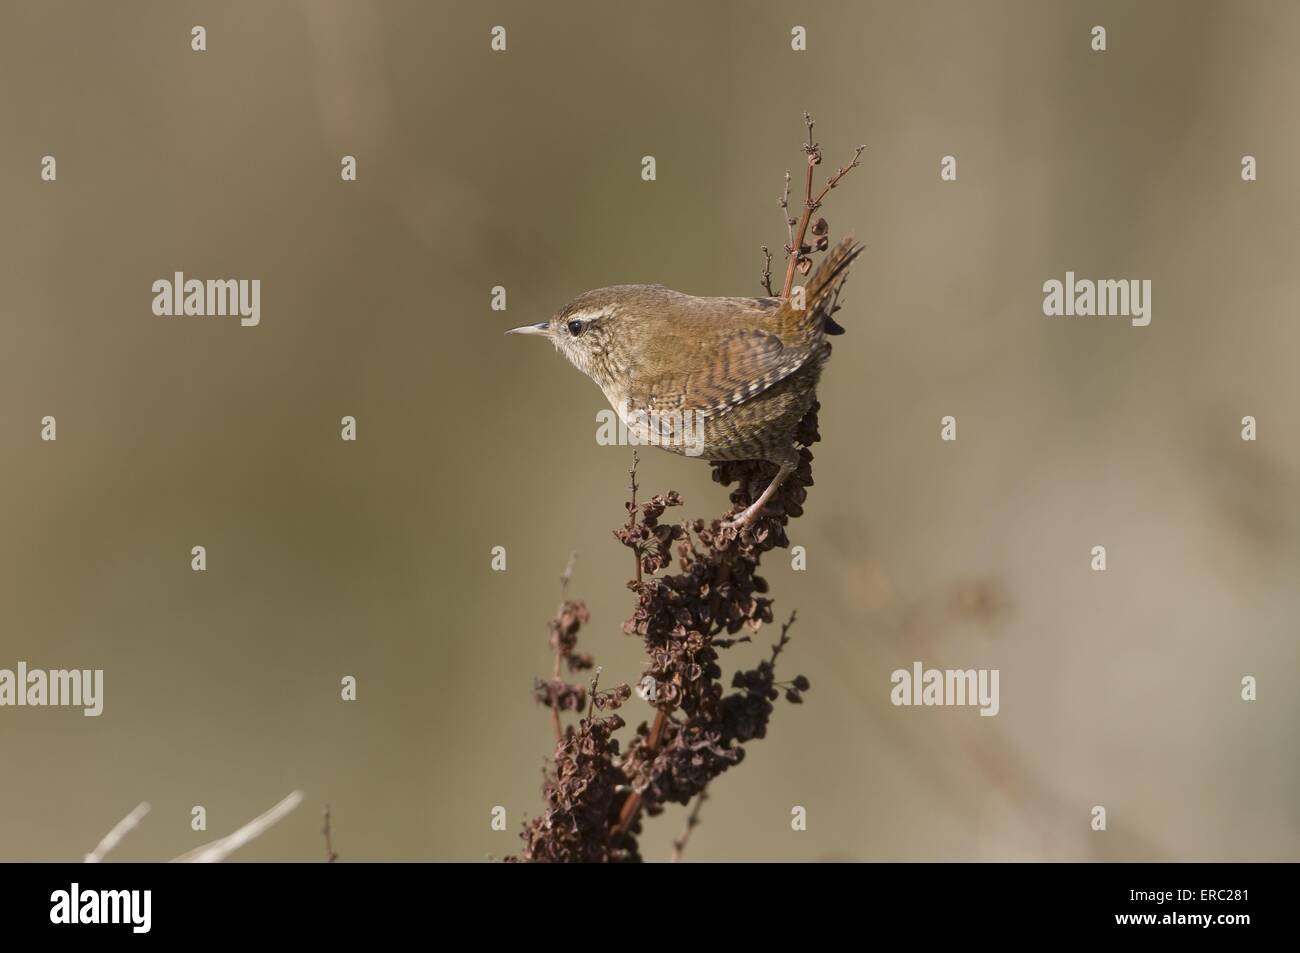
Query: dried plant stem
[[595, 680], [631, 515], [715, 604], [631, 809], [330, 855], [784, 639], [632, 806], [559, 649], [223, 847], [811, 204], [120, 830], [567, 575], [555, 705], [785, 213], [692, 821]]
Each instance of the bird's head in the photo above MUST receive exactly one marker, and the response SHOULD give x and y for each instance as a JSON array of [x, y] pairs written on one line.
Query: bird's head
[[597, 330]]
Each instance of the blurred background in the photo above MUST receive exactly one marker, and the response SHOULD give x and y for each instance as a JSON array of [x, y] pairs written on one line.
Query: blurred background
[[522, 169]]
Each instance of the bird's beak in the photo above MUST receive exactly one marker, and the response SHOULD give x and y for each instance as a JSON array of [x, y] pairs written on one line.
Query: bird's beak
[[530, 329]]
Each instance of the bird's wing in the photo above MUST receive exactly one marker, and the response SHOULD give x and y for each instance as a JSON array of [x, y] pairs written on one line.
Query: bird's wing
[[727, 368], [763, 341]]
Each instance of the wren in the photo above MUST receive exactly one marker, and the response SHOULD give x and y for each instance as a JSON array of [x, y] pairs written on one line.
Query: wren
[[722, 378]]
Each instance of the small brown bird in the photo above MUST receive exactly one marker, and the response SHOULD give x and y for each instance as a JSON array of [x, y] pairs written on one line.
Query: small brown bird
[[723, 378]]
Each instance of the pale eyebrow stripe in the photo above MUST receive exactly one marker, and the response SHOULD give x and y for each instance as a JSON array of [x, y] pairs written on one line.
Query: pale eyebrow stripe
[[587, 315]]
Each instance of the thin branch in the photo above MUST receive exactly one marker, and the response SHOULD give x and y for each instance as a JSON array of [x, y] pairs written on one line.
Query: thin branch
[[555, 704], [789, 219], [567, 574], [120, 830], [631, 808], [781, 643], [631, 512], [766, 275], [559, 646], [799, 259], [692, 821], [839, 174], [223, 847], [591, 705], [330, 855]]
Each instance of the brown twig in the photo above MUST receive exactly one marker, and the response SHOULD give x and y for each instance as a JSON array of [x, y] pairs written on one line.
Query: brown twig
[[766, 275], [567, 575], [632, 806], [595, 680], [781, 643], [789, 219], [559, 648], [631, 809], [631, 512], [330, 856], [799, 259], [692, 821], [555, 705]]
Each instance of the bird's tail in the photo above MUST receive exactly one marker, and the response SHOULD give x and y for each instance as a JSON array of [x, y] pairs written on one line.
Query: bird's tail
[[819, 294]]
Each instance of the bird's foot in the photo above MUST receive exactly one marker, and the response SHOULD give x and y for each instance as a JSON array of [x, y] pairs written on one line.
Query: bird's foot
[[745, 517]]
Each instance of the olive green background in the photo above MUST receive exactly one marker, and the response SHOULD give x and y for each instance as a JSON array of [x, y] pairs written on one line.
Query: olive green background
[[522, 169]]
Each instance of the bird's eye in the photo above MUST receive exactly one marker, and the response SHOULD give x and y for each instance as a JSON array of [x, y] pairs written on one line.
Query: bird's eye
[[575, 327]]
